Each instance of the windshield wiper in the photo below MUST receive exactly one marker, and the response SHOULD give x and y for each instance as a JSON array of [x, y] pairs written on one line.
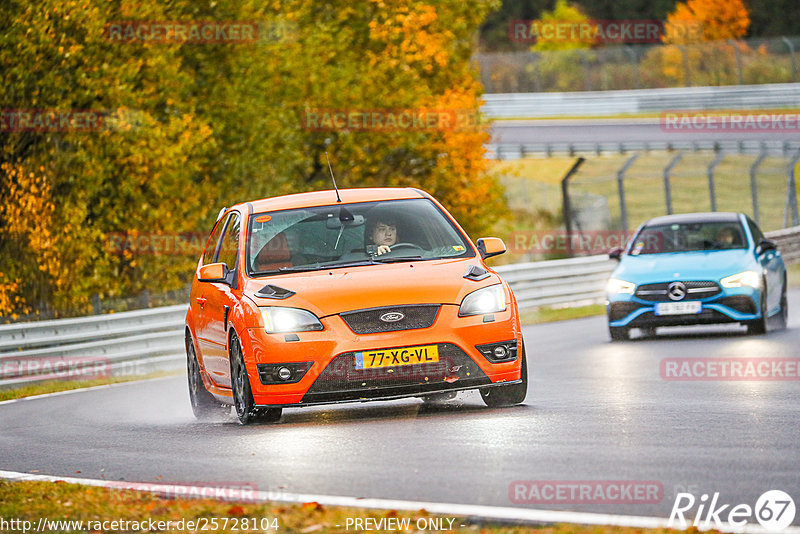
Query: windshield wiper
[[396, 259]]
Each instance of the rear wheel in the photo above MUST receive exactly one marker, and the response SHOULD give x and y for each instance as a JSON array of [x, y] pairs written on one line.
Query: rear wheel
[[619, 333], [204, 405], [510, 394], [246, 410]]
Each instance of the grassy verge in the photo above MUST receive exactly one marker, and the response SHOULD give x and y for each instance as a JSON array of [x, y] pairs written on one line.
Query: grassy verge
[[30, 501], [548, 315], [533, 185], [56, 386]]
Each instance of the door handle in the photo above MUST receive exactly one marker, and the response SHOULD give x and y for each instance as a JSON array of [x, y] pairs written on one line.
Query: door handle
[[201, 301]]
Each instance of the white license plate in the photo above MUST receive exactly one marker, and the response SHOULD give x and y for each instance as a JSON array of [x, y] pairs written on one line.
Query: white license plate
[[679, 308]]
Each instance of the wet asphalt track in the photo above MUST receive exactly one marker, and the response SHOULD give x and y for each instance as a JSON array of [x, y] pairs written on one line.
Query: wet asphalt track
[[595, 411]]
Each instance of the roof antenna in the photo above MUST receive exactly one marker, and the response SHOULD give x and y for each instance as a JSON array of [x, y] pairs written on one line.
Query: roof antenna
[[338, 198]]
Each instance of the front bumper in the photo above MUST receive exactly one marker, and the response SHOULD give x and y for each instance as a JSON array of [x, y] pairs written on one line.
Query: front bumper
[[333, 377], [730, 305]]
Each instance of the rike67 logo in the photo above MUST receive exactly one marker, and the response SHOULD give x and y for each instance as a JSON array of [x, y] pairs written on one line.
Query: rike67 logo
[[774, 510]]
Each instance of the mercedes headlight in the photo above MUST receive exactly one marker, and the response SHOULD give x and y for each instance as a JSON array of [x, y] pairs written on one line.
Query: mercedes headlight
[[490, 299], [281, 320], [616, 286], [746, 278]]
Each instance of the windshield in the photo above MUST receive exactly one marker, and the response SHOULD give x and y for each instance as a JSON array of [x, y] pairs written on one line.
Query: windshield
[[689, 237], [351, 234]]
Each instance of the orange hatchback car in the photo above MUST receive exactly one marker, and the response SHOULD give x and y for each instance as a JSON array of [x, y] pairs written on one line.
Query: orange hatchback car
[[356, 295]]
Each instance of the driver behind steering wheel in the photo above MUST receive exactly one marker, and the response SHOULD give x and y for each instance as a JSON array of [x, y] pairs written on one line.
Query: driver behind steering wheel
[[382, 232]]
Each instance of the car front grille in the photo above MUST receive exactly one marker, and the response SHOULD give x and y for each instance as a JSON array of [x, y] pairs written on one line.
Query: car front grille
[[695, 289], [340, 380], [370, 322]]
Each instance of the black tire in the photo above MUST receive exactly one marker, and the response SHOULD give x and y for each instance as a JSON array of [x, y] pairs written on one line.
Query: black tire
[[759, 326], [783, 315], [204, 405], [243, 402], [619, 333], [511, 394]]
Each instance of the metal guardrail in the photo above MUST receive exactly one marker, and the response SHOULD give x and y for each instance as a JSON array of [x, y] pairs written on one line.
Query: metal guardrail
[[128, 343], [582, 280], [774, 147], [139, 342], [570, 281], [604, 103]]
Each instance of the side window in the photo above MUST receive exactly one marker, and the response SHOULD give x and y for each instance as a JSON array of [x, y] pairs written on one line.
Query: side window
[[754, 231], [229, 250], [211, 246]]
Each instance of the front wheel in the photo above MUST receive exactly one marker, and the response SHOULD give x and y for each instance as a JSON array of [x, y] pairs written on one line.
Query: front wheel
[[783, 315], [509, 395], [619, 333], [246, 410], [759, 326]]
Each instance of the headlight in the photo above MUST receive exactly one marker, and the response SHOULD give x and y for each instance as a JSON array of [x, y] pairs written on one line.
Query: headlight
[[490, 299], [615, 286], [281, 320], [747, 278]]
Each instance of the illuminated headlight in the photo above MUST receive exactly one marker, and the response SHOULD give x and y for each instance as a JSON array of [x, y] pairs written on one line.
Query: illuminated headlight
[[747, 278], [490, 299], [281, 320], [616, 286]]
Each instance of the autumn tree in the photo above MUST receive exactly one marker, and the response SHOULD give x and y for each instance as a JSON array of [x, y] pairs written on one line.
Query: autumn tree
[[701, 36], [189, 128]]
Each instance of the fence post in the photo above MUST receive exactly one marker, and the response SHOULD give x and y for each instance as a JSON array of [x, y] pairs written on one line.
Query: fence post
[[687, 80], [754, 184], [738, 54], [712, 191], [791, 195], [566, 204], [791, 55], [631, 51], [623, 208], [667, 189], [586, 74]]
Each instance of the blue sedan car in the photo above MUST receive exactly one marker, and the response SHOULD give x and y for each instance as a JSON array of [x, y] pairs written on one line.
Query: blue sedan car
[[697, 268]]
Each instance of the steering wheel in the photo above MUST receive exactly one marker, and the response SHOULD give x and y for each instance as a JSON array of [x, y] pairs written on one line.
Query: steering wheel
[[397, 246]]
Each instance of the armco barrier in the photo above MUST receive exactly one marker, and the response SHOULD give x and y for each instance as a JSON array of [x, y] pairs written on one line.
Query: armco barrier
[[142, 341], [604, 103]]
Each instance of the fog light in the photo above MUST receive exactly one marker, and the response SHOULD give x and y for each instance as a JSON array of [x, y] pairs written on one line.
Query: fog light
[[284, 373], [500, 352]]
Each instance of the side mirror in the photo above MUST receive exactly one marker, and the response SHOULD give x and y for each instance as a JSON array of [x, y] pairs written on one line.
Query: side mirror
[[615, 253], [214, 272], [766, 245], [490, 246]]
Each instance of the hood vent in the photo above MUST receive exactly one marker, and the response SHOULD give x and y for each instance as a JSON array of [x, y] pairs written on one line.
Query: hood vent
[[270, 291], [476, 274]]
